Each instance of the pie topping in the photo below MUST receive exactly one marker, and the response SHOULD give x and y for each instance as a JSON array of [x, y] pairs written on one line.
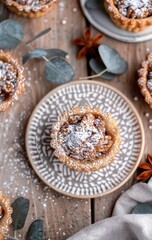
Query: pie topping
[[8, 80], [33, 5], [149, 78], [134, 8], [85, 137]]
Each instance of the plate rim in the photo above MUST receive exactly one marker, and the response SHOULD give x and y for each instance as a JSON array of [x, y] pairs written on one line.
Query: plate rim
[[133, 39], [130, 105]]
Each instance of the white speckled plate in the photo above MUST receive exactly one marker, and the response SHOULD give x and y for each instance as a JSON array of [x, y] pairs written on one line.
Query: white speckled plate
[[67, 181], [100, 19]]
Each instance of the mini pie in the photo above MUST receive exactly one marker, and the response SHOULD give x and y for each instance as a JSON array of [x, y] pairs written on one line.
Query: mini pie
[[85, 139], [30, 8], [5, 215], [11, 80], [145, 79], [131, 15]]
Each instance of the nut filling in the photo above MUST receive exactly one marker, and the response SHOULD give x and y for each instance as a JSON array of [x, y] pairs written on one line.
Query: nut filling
[[136, 9], [149, 78], [33, 5], [85, 137], [8, 80]]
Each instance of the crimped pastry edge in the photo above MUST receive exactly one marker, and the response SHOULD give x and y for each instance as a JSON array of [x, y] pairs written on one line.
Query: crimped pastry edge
[[79, 165], [21, 11], [6, 220], [7, 57], [142, 80], [132, 25]]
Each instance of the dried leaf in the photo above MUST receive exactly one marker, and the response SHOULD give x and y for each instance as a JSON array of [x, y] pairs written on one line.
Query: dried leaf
[[35, 231], [149, 157], [87, 34], [144, 175], [142, 208], [78, 42], [145, 166], [92, 4], [40, 53], [20, 210], [11, 33], [88, 43], [40, 34], [58, 71], [112, 60], [82, 52], [98, 67], [97, 38]]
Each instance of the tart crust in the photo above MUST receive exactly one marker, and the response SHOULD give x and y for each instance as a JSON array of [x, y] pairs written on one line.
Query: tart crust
[[130, 24], [86, 165], [8, 58], [6, 219], [142, 81], [22, 11]]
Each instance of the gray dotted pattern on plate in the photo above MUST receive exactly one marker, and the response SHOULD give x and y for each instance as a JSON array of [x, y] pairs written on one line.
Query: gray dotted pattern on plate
[[54, 172]]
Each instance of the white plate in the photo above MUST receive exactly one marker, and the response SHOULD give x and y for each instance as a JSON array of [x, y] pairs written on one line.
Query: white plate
[[55, 173], [99, 19]]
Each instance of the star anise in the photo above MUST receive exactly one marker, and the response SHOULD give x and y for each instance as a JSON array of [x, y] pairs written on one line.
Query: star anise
[[146, 169], [88, 43]]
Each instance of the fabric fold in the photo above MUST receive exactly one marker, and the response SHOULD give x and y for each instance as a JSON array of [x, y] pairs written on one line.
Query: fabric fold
[[123, 225]]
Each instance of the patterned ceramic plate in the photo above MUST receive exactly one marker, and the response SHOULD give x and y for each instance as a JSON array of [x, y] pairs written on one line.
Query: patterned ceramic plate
[[99, 19], [67, 181]]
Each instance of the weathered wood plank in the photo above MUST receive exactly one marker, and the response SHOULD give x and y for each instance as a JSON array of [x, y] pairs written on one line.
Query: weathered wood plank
[[62, 215], [127, 84]]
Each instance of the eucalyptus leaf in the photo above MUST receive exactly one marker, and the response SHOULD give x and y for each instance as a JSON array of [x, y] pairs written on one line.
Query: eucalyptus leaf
[[40, 53], [98, 67], [58, 71], [9, 238], [35, 231], [20, 210], [112, 60], [142, 208], [92, 4], [35, 53], [11, 33], [54, 52]]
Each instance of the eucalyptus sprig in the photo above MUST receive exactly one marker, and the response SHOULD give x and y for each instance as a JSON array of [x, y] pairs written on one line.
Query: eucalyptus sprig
[[57, 69], [11, 33], [108, 65], [20, 211]]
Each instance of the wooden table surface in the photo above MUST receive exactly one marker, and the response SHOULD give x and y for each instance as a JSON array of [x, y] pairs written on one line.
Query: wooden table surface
[[63, 216]]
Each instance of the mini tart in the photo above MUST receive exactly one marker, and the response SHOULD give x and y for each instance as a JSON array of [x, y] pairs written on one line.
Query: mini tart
[[27, 8], [5, 215], [85, 139], [130, 24], [11, 80], [145, 79]]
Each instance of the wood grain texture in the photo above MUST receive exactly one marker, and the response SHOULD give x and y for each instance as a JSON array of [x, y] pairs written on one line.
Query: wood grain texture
[[127, 84], [63, 216]]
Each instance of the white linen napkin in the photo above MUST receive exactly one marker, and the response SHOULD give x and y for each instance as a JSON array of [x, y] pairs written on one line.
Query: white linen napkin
[[123, 225]]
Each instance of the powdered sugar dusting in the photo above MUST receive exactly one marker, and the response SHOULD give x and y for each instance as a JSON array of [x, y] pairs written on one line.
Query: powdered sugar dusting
[[8, 80], [85, 137], [135, 8], [34, 5]]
